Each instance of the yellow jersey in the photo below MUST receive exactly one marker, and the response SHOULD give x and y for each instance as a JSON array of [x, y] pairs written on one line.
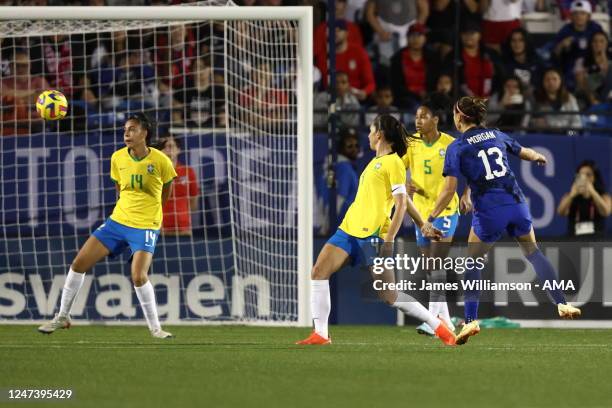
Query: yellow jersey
[[140, 182], [426, 162], [369, 214]]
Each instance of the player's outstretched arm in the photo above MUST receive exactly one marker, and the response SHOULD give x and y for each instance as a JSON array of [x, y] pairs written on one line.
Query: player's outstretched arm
[[446, 195], [531, 155], [413, 213]]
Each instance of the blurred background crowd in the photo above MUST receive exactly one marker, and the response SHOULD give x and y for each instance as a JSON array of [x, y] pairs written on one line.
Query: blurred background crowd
[[543, 65]]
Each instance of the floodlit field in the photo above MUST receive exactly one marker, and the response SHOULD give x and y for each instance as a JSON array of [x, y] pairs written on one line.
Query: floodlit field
[[260, 367]]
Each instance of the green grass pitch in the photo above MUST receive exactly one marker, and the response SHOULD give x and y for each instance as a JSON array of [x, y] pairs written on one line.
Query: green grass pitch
[[367, 366]]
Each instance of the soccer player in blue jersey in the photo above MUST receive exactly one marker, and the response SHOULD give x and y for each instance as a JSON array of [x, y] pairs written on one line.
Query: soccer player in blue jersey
[[481, 156]]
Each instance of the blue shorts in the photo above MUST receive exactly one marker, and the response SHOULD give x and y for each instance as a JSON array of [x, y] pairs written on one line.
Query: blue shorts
[[116, 237], [447, 225], [490, 224], [361, 250]]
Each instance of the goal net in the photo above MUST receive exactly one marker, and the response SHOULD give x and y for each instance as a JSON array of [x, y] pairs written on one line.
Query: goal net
[[230, 90]]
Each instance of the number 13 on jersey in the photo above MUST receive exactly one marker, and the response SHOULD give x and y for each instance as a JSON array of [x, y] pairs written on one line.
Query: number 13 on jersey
[[499, 160]]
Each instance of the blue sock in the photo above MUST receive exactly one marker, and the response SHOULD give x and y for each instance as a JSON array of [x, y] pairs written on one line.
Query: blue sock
[[546, 272], [471, 296]]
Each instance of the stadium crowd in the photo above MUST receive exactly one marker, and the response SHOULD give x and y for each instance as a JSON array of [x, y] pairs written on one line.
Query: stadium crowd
[[389, 55]]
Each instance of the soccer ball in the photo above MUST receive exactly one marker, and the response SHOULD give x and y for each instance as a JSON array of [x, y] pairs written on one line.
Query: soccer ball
[[52, 105]]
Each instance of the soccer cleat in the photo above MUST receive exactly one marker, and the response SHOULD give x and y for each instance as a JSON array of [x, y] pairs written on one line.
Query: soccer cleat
[[314, 340], [468, 330], [445, 334], [568, 311], [58, 322], [425, 329], [160, 334]]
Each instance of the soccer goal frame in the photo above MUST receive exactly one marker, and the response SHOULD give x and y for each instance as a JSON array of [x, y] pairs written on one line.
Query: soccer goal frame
[[304, 100]]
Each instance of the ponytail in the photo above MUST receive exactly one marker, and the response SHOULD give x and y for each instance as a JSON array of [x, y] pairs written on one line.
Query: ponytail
[[472, 109], [395, 133]]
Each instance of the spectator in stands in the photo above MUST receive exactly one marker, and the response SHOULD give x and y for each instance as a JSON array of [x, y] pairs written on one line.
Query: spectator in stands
[[500, 18], [320, 32], [384, 104], [413, 69], [352, 60], [594, 72], [508, 108], [108, 54], [572, 41], [355, 10], [135, 80], [390, 20], [476, 68], [565, 7], [587, 204], [205, 100], [176, 51], [6, 45], [64, 65], [521, 60], [345, 101], [553, 97], [444, 84], [183, 200], [346, 178], [265, 100], [441, 22], [18, 92]]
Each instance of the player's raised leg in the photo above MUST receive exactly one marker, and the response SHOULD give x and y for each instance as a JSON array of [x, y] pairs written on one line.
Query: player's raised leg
[[476, 249], [90, 254], [141, 262], [546, 273], [330, 260], [410, 306], [437, 297]]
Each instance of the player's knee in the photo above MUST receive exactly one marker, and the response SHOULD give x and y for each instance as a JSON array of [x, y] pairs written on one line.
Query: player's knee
[[389, 297], [139, 279], [319, 273], [78, 266]]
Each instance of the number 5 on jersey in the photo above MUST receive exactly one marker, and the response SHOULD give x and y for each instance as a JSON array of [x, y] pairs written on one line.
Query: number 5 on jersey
[[499, 160]]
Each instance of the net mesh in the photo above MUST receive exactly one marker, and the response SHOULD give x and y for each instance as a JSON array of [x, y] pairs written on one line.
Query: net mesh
[[224, 94]]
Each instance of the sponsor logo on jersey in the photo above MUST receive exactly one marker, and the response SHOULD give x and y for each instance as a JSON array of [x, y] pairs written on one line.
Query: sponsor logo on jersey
[[442, 152]]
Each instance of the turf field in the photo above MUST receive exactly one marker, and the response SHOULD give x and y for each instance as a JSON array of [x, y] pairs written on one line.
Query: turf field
[[259, 367]]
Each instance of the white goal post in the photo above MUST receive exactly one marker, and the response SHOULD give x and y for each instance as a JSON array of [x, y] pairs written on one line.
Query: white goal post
[[303, 138]]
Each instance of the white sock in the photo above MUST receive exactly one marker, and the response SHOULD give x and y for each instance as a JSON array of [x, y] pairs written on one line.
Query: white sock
[[435, 308], [73, 283], [411, 307], [445, 315], [320, 303], [146, 297]]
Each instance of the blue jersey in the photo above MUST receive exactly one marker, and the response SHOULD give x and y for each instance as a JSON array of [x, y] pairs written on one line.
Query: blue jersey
[[481, 156]]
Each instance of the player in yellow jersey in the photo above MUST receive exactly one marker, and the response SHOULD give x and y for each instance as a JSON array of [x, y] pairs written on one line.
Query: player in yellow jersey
[[425, 160], [143, 178], [366, 223]]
